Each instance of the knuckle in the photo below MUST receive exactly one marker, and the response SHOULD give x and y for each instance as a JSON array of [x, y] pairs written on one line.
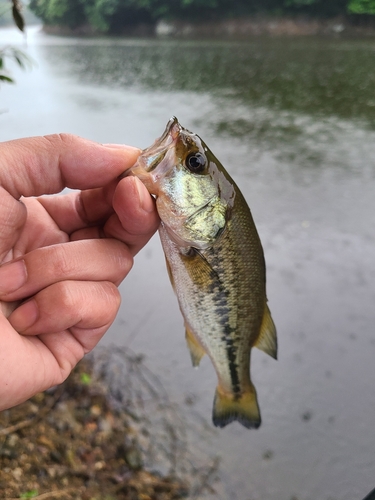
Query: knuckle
[[124, 263], [62, 264], [111, 296], [67, 296], [102, 303], [120, 257], [56, 139]]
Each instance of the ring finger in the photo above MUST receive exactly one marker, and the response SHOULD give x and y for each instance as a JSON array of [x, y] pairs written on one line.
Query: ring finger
[[79, 305]]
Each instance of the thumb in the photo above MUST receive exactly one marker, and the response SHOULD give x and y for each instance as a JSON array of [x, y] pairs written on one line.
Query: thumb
[[45, 165]]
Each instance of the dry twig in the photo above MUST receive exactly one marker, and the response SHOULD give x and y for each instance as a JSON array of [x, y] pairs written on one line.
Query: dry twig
[[51, 494], [29, 421]]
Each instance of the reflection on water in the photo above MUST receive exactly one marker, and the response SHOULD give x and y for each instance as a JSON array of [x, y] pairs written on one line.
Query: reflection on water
[[288, 97], [293, 121], [318, 77]]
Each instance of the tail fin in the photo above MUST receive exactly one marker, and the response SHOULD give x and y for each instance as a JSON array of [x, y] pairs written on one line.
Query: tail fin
[[245, 410]]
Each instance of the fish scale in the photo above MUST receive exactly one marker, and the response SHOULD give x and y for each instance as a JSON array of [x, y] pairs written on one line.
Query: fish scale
[[215, 263]]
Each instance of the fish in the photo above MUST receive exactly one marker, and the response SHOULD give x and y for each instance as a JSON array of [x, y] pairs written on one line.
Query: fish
[[215, 263]]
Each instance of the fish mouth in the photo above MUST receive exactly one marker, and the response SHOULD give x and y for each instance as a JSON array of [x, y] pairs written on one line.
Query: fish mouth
[[154, 154], [160, 154], [171, 133]]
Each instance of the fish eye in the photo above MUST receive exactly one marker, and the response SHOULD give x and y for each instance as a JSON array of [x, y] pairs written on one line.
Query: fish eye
[[196, 162]]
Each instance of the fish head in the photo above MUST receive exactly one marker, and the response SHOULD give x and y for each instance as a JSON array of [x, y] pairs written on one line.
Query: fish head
[[194, 194]]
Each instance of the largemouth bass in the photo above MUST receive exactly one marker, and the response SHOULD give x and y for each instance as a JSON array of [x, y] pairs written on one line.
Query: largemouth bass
[[215, 263]]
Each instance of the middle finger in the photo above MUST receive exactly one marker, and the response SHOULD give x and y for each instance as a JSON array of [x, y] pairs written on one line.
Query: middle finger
[[91, 260]]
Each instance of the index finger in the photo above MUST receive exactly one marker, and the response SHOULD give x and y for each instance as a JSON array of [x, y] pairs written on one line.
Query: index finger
[[45, 165]]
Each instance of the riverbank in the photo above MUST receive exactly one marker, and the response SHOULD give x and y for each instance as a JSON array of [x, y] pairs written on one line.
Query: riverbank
[[240, 28], [79, 441]]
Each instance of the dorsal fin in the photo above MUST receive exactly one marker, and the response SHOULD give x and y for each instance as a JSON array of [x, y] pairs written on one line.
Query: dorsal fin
[[267, 340]]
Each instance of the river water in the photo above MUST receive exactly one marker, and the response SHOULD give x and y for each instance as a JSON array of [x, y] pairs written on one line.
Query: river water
[[293, 120]]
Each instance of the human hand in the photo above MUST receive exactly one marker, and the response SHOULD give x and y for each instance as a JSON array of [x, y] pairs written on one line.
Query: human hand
[[62, 257]]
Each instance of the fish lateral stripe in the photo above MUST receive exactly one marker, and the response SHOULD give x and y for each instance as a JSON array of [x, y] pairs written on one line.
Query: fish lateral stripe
[[222, 310], [207, 276], [232, 362]]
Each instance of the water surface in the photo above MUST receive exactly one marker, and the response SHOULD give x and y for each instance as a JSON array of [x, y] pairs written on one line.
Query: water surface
[[293, 121]]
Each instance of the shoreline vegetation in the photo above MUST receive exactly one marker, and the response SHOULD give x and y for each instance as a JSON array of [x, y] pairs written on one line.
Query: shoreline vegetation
[[228, 19], [240, 28], [206, 18]]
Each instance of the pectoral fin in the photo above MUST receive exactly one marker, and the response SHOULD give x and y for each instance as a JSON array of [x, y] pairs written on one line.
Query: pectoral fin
[[245, 409], [196, 350], [267, 340], [170, 274]]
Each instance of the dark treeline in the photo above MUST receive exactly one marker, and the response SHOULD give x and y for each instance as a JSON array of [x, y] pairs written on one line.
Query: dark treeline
[[113, 15]]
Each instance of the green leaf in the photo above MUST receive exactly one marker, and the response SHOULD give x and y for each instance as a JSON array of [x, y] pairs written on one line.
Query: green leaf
[[12, 53], [17, 16], [21, 58], [29, 494], [361, 6], [86, 378], [5, 78]]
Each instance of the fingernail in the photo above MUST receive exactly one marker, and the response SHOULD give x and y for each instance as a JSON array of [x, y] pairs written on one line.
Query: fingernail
[[24, 316], [145, 199], [12, 276]]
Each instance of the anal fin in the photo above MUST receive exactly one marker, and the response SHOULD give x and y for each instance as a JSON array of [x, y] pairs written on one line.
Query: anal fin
[[267, 340], [196, 350]]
